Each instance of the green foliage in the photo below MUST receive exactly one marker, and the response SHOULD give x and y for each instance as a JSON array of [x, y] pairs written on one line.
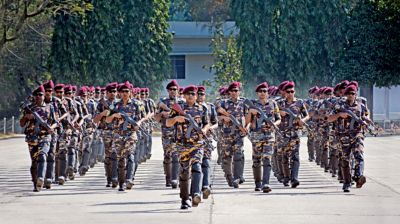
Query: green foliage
[[205, 10], [117, 41], [227, 61]]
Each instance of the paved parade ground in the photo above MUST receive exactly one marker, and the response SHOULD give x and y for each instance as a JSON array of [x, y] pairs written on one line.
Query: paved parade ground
[[318, 199]]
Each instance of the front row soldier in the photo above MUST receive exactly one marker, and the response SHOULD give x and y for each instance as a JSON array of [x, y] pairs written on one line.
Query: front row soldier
[[126, 119], [190, 143], [350, 132], [263, 116], [294, 117], [39, 119]]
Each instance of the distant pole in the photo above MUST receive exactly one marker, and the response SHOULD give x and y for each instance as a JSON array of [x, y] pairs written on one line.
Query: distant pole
[[5, 126], [13, 125]]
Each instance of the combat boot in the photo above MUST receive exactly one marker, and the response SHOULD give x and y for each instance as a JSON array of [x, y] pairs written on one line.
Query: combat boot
[[235, 183], [186, 204], [346, 188], [196, 200], [174, 184], [39, 183], [360, 181], [61, 180], [295, 183], [206, 192], [47, 183], [266, 188], [258, 186], [129, 184]]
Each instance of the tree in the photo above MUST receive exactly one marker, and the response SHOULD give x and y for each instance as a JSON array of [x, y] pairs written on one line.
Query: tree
[[205, 10]]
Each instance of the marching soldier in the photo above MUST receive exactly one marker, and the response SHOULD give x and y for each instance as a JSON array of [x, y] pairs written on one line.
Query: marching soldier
[[212, 119], [294, 115], [222, 96], [191, 123], [232, 112], [351, 117], [126, 120], [263, 116], [40, 121], [103, 110], [171, 161]]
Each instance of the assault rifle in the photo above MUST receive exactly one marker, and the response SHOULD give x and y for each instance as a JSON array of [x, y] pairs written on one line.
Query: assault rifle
[[193, 125], [38, 119], [293, 116], [263, 117], [128, 120], [355, 118], [234, 120]]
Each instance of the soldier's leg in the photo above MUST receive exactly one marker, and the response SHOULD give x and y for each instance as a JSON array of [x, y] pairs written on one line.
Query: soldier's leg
[[87, 151], [184, 176], [195, 184], [107, 139], [285, 162], [237, 167], [50, 161], [257, 163], [62, 159], [71, 157], [175, 169], [33, 149], [358, 152], [317, 147], [267, 151], [41, 157], [206, 170], [345, 167], [95, 147], [295, 163], [310, 148], [167, 168], [130, 162], [149, 145], [325, 153]]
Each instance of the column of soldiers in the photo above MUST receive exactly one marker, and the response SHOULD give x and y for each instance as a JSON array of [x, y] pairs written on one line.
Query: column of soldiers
[[114, 125], [69, 130]]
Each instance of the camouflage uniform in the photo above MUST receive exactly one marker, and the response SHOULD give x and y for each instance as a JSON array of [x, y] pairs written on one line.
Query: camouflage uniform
[[233, 142], [191, 149], [277, 158], [124, 143], [311, 105], [262, 137], [351, 137], [39, 140], [324, 129], [291, 141], [171, 156], [106, 133]]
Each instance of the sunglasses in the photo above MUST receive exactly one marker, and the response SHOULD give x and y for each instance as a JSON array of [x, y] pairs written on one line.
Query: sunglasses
[[125, 91], [235, 90], [262, 91], [68, 93], [59, 91], [291, 91], [191, 93], [172, 89], [351, 93], [97, 92], [143, 94], [39, 94], [201, 94], [49, 90], [112, 91]]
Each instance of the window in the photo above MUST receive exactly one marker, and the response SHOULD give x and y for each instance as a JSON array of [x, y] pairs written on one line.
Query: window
[[178, 66]]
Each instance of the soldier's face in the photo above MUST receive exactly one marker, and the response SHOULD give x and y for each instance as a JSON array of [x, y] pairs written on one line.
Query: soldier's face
[[111, 94], [173, 91], [234, 93], [289, 93], [125, 93], [142, 95], [351, 96], [59, 94], [201, 96], [190, 97], [39, 97], [262, 94], [48, 93]]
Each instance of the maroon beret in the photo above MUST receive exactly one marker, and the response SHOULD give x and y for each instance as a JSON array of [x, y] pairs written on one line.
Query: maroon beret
[[92, 89], [74, 88], [103, 89], [272, 89], [68, 88], [83, 90], [343, 84], [97, 89], [263, 85], [337, 87], [49, 84], [351, 88], [39, 89], [201, 89], [328, 90], [172, 83], [112, 86], [288, 85], [280, 86], [190, 88], [147, 90], [234, 85], [354, 83], [59, 86], [125, 85]]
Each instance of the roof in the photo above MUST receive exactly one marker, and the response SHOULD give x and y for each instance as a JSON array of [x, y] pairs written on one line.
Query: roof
[[199, 29]]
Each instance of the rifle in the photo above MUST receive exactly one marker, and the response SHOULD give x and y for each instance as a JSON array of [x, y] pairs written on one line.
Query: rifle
[[263, 117], [128, 120], [193, 125], [293, 116], [164, 106], [355, 118], [234, 120], [38, 119]]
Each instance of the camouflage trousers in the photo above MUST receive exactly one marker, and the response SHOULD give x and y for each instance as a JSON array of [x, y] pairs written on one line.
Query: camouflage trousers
[[62, 155], [97, 146], [311, 145], [73, 155], [85, 150], [263, 147], [334, 146], [51, 158], [289, 151], [123, 159], [38, 150], [233, 157], [351, 146], [107, 136], [190, 158], [171, 157]]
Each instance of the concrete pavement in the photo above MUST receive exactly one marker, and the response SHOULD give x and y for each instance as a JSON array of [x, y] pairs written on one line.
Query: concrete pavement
[[319, 198]]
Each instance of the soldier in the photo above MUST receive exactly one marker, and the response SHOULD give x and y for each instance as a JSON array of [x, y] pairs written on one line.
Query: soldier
[[311, 105], [103, 110], [151, 107], [222, 96], [212, 119], [60, 113], [40, 120], [263, 116], [232, 112], [171, 161], [88, 129], [351, 116], [191, 124], [97, 144], [126, 119], [294, 115]]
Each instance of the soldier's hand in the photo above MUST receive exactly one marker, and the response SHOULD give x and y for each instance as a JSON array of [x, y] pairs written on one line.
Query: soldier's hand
[[165, 114], [244, 131], [282, 113], [343, 115], [180, 119], [300, 122], [117, 115], [253, 111], [29, 116], [105, 113]]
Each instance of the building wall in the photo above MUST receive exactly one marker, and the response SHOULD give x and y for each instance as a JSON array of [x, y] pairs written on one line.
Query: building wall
[[191, 46], [387, 105]]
